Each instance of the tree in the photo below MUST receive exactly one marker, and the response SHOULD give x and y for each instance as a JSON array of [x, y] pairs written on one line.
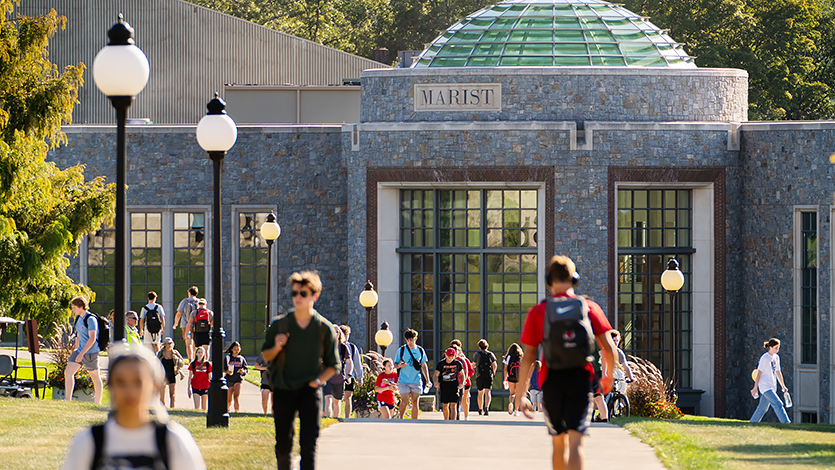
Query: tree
[[781, 43], [44, 211], [349, 25]]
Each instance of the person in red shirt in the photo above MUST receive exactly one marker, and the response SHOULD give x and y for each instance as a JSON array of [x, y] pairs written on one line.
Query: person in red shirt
[[198, 379], [385, 386], [567, 393], [469, 371]]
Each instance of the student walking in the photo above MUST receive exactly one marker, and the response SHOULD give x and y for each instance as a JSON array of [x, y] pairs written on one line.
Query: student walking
[[172, 363], [356, 379], [410, 361], [768, 373], [129, 439], [334, 390], [198, 380], [201, 325], [451, 373], [536, 388], [302, 345], [486, 365], [185, 313], [385, 386], [512, 360], [469, 371], [566, 327], [235, 368], [152, 322], [262, 365], [86, 352]]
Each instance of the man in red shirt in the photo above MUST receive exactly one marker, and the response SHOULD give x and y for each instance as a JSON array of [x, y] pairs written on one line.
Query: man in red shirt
[[567, 392]]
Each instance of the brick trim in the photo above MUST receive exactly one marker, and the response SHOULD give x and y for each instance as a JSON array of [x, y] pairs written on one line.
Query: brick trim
[[715, 175], [492, 174]]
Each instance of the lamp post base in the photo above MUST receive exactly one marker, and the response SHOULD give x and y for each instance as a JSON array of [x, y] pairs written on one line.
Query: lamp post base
[[218, 412]]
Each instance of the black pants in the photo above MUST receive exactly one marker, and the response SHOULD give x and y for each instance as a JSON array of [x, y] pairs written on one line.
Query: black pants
[[308, 403]]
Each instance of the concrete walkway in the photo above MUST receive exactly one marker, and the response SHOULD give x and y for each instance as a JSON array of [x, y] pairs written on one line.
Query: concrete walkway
[[496, 442]]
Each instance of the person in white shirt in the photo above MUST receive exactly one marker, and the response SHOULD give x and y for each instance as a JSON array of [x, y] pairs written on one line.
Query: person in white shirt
[[129, 439], [765, 380], [154, 314]]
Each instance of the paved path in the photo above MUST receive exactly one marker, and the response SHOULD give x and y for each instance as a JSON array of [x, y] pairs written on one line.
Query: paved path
[[496, 442]]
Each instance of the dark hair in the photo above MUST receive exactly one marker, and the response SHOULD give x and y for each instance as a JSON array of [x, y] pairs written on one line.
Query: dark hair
[[771, 343], [410, 333], [515, 350], [193, 290], [483, 344], [234, 343], [560, 269], [153, 295], [454, 343], [385, 360], [346, 330], [80, 302], [307, 278]]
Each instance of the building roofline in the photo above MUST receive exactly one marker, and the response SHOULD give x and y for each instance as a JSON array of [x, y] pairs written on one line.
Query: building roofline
[[553, 70]]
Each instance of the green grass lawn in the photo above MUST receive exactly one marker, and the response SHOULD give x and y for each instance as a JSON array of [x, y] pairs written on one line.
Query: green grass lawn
[[48, 426], [710, 443]]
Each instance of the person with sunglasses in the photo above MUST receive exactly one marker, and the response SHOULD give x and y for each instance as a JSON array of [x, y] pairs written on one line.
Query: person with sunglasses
[[302, 349], [131, 332]]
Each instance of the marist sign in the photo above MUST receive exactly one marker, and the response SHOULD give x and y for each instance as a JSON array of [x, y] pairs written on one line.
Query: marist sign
[[459, 97]]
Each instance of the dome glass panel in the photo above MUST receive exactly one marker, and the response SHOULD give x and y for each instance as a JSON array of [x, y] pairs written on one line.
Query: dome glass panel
[[554, 33]]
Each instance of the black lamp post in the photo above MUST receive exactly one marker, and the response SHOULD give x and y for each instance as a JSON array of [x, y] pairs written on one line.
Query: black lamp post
[[368, 299], [672, 280], [270, 231], [216, 134], [120, 71]]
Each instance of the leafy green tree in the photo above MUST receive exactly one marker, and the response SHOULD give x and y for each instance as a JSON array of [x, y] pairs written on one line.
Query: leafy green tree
[[781, 43], [352, 26], [44, 211]]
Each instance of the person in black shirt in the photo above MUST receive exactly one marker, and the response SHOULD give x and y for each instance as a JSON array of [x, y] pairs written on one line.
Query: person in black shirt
[[452, 379]]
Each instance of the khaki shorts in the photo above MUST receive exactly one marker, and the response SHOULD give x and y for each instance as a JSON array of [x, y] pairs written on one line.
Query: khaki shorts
[[152, 338], [89, 361]]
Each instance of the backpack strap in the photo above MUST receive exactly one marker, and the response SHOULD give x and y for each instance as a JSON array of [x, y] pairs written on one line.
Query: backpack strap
[[98, 445], [162, 443]]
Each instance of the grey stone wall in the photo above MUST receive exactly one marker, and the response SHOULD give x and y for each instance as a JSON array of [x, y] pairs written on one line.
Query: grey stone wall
[[568, 94], [297, 170], [783, 165]]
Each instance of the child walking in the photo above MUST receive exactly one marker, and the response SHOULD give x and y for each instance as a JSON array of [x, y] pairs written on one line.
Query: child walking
[[198, 379], [452, 378], [129, 439], [385, 387], [234, 365]]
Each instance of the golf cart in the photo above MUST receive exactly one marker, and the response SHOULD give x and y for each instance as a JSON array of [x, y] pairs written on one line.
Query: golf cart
[[10, 385]]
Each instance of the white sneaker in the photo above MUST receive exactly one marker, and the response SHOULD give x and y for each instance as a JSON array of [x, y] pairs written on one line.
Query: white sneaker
[[515, 413], [466, 418]]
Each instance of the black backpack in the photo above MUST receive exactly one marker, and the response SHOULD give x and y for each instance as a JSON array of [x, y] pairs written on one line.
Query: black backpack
[[484, 364], [161, 462], [568, 340], [152, 320], [104, 330]]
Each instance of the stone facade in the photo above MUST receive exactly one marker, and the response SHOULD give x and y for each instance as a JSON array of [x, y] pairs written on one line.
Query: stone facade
[[323, 181], [568, 94]]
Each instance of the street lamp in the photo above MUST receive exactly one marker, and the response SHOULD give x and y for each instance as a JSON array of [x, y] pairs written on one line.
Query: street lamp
[[270, 231], [672, 280], [368, 299], [217, 133], [383, 338], [120, 71]]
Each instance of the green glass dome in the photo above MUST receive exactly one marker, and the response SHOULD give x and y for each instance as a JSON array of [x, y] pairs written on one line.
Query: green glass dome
[[554, 32]]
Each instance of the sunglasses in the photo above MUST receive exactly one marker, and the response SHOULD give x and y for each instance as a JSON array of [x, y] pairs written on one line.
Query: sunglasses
[[132, 318], [302, 293]]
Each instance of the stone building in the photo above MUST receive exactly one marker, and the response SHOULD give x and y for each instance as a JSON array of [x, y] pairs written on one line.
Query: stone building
[[529, 128]]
